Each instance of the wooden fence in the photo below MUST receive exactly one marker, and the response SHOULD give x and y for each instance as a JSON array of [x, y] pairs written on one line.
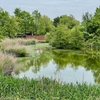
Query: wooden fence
[[38, 37]]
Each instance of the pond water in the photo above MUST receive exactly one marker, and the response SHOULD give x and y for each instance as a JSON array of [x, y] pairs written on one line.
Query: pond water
[[66, 66]]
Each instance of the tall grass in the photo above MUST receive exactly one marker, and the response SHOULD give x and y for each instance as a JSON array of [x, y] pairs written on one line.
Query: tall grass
[[37, 89], [19, 41], [16, 47], [9, 50], [46, 89], [7, 63]]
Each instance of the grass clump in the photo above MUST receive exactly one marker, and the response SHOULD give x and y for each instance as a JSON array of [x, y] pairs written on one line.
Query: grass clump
[[18, 52], [18, 41], [46, 89], [17, 47], [27, 42], [12, 49], [7, 63], [42, 41]]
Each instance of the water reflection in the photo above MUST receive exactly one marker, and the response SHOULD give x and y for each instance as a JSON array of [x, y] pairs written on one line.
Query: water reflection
[[68, 66]]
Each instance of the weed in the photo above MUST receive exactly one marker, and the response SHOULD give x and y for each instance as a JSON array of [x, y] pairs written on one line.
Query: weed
[[46, 89]]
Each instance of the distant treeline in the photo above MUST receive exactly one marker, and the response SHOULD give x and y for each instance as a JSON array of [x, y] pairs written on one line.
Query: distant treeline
[[62, 32]]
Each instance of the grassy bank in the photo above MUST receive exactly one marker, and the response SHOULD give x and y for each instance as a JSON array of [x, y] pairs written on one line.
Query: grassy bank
[[13, 49], [21, 47], [37, 89], [45, 89]]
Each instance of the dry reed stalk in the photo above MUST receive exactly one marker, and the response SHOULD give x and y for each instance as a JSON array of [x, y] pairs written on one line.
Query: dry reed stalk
[[7, 62]]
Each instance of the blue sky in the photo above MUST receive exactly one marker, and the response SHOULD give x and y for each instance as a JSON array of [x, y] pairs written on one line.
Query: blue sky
[[52, 8]]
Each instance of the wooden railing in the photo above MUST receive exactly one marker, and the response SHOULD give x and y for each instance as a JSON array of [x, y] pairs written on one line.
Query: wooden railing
[[38, 37]]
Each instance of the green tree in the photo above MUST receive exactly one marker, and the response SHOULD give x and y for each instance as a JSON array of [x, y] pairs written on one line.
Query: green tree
[[39, 27], [87, 22], [56, 21], [67, 33], [48, 23], [96, 21], [24, 20], [77, 38], [60, 37], [11, 27], [86, 17], [17, 12], [8, 24], [69, 21]]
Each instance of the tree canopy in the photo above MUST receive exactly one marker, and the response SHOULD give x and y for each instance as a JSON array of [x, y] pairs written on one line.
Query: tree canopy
[[62, 32]]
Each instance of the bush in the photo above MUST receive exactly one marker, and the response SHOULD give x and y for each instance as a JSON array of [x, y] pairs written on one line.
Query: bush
[[48, 37], [18, 52], [42, 41], [27, 42], [7, 63]]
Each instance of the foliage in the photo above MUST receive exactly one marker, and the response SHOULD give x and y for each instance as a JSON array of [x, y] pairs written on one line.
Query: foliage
[[71, 30], [65, 35], [48, 37], [60, 37], [86, 17], [56, 21], [8, 24], [16, 47], [39, 27], [76, 39], [7, 63], [42, 41], [48, 24], [64, 38], [45, 88], [23, 22], [91, 24], [17, 52], [69, 21], [27, 42]]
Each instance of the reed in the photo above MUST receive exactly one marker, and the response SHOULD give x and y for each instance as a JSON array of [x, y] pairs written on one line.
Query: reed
[[17, 47], [46, 89], [7, 63]]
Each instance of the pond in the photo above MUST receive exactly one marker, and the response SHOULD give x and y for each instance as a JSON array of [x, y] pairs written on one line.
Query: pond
[[66, 66]]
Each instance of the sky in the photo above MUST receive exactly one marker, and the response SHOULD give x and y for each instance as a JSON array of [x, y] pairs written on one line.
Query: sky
[[52, 8]]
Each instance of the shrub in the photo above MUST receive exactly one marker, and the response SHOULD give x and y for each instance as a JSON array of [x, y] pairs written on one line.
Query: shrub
[[17, 47], [48, 37], [27, 42], [18, 52], [42, 41], [7, 63]]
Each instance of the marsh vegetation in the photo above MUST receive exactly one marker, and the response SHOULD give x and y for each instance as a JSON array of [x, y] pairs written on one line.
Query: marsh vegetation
[[79, 44], [43, 87]]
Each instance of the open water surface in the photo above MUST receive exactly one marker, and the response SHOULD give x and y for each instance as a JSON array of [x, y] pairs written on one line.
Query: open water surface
[[66, 66]]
